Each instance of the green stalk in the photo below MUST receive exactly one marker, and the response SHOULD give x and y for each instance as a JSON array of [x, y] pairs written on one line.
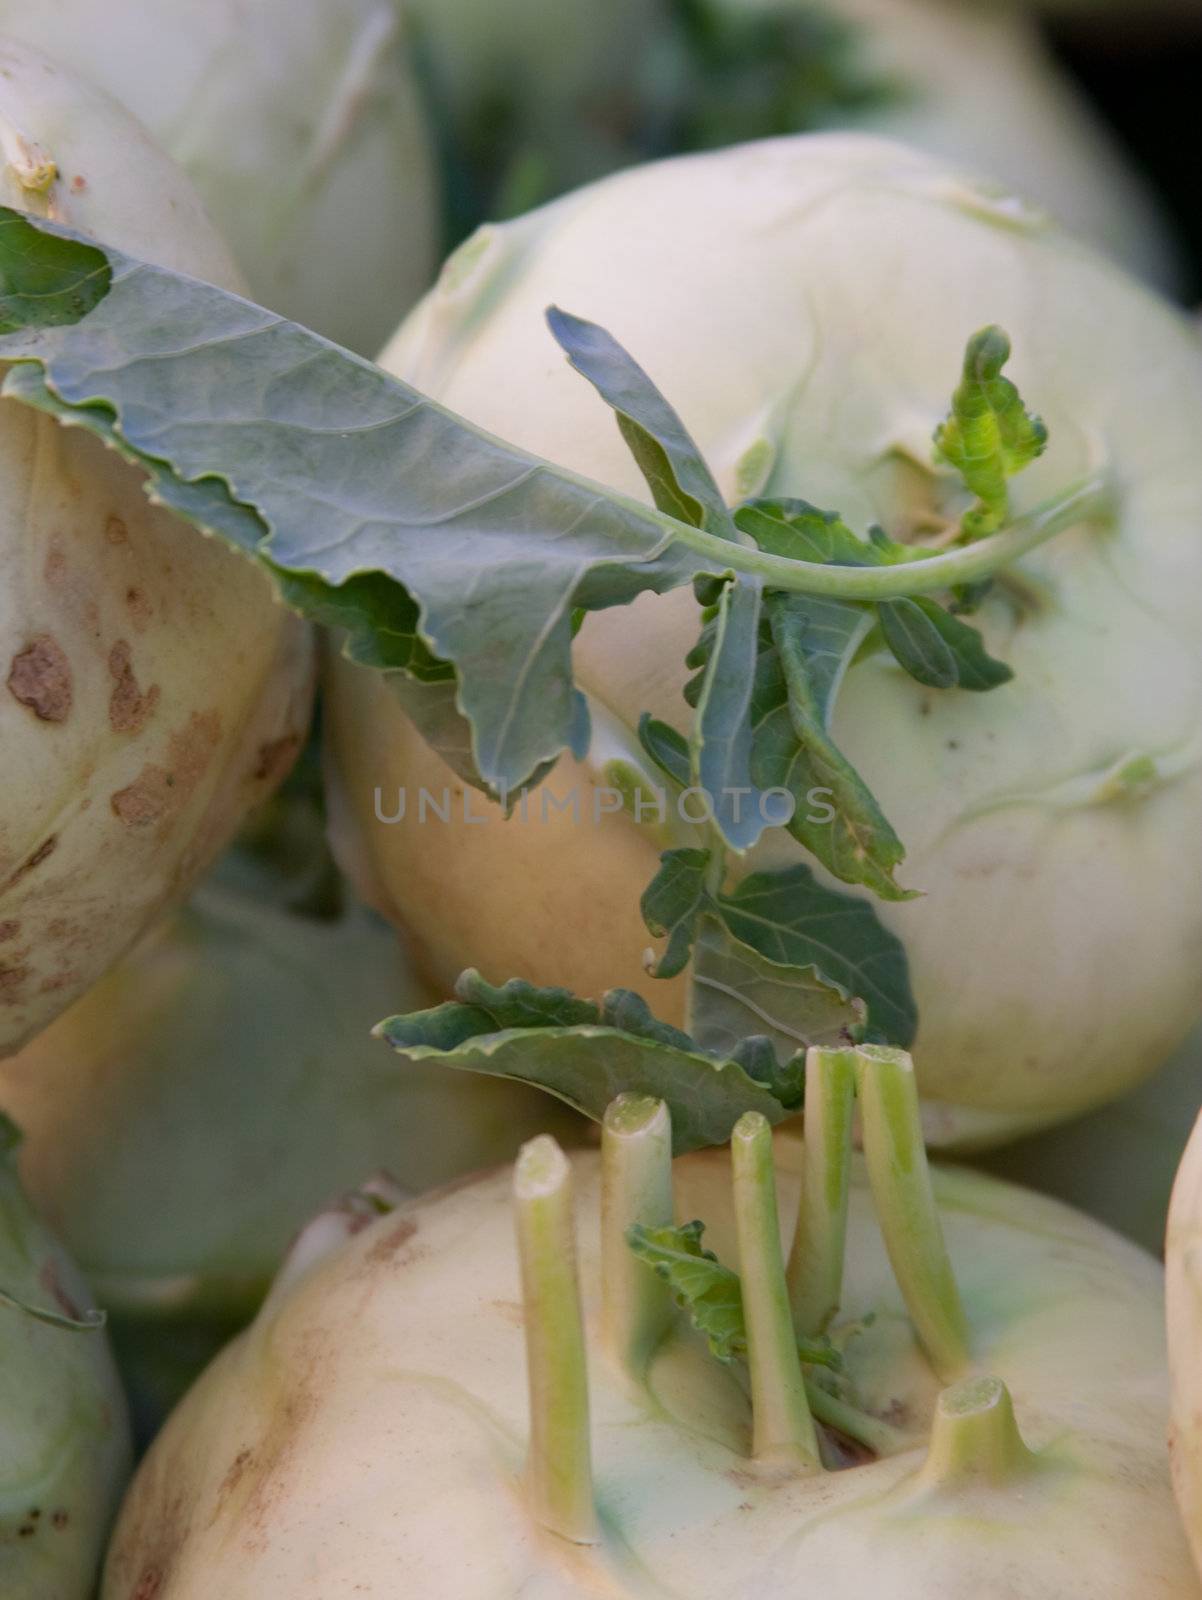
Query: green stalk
[[875, 1435], [636, 1186], [1091, 497], [905, 1204], [559, 1465], [975, 1436], [783, 1428], [815, 1271]]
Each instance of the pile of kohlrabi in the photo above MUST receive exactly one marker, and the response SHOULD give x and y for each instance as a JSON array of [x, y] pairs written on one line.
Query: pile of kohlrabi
[[754, 604]]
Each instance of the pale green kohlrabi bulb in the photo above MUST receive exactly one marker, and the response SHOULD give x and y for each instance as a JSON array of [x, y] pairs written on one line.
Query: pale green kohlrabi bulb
[[810, 345], [1118, 1163], [423, 1405], [64, 1447], [977, 86], [1184, 1300], [219, 1085], [151, 690], [301, 126]]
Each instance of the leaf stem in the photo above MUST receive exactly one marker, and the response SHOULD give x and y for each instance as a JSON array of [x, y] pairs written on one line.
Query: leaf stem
[[815, 1270], [636, 1186], [783, 1427], [905, 1204], [559, 1465], [1091, 497], [879, 1437]]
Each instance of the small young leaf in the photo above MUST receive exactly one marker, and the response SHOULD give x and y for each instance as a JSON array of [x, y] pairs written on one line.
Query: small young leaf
[[794, 922], [680, 482], [672, 903], [667, 748], [834, 814], [989, 435], [698, 1282], [801, 532], [937, 648], [736, 992]]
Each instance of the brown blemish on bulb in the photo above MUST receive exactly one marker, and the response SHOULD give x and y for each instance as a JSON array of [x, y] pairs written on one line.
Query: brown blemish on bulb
[[45, 849], [389, 1248], [40, 678], [160, 792], [115, 530], [9, 930], [129, 708], [275, 758], [12, 983], [139, 607]]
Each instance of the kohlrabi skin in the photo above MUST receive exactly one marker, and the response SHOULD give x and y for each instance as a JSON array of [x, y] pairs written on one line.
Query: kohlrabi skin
[[1049, 825], [1184, 1300], [219, 1085], [152, 691], [1117, 1163], [976, 86], [976, 1408], [64, 1445], [299, 123]]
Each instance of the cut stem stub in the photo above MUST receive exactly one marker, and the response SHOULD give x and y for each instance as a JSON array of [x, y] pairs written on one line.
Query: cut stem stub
[[900, 1178], [636, 1186], [782, 1425], [815, 1271], [559, 1464]]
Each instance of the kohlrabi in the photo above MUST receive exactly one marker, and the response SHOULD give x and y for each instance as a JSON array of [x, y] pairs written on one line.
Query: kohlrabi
[[64, 1442], [1184, 1298], [1117, 1163], [248, 1018], [810, 305], [977, 635], [972, 83], [974, 1406], [300, 123], [151, 692]]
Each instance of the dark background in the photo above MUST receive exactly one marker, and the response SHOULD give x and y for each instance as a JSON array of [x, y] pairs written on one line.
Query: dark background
[[1147, 81]]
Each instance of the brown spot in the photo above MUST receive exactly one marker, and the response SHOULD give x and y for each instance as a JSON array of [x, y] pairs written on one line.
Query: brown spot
[[275, 758], [61, 980], [129, 708], [50, 1281], [9, 930], [388, 1247], [40, 678], [148, 1585], [55, 568], [233, 1477], [46, 848], [510, 1311], [160, 792], [59, 1519], [78, 183], [115, 530], [140, 608]]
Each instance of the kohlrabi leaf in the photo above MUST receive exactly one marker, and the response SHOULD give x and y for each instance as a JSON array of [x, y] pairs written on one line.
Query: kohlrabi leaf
[[698, 1282], [833, 813], [584, 1054], [326, 469], [673, 903], [785, 1081], [680, 482], [737, 992], [936, 647], [667, 748], [723, 733], [801, 532], [793, 921], [46, 281], [710, 1293], [989, 434]]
